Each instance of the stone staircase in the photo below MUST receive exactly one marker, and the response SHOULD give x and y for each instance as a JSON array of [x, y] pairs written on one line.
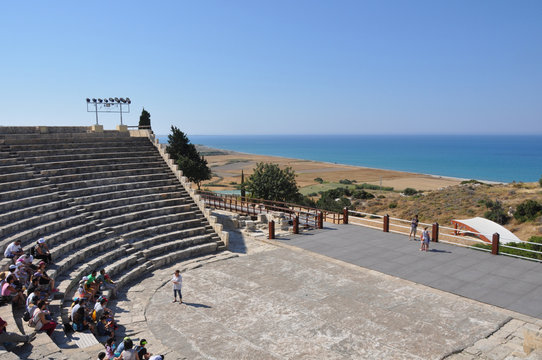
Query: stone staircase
[[101, 200]]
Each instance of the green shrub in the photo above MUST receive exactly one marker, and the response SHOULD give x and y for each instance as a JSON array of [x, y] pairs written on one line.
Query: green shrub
[[519, 246], [312, 194], [393, 205], [374, 187], [528, 210], [496, 212], [540, 181], [345, 182], [472, 181], [319, 180], [410, 191], [362, 194]]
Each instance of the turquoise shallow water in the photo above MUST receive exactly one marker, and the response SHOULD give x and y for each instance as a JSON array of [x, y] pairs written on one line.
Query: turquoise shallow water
[[485, 157]]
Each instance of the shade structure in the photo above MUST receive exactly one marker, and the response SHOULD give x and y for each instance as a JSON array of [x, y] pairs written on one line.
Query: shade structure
[[484, 229]]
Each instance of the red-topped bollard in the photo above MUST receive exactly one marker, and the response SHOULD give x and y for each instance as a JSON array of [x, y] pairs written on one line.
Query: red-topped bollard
[[271, 229], [495, 244], [296, 224], [434, 234], [386, 223], [345, 215]]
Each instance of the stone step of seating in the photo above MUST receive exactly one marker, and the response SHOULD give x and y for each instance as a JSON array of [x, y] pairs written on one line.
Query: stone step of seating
[[116, 147], [135, 199], [50, 173], [77, 185], [13, 168], [15, 201], [128, 192], [16, 176], [128, 209], [64, 236], [180, 240], [108, 174], [76, 155], [153, 230], [84, 193], [178, 255], [27, 186], [18, 215], [6, 159], [48, 140], [43, 230], [33, 149], [12, 228], [166, 238], [78, 249], [126, 228], [94, 162], [133, 216]]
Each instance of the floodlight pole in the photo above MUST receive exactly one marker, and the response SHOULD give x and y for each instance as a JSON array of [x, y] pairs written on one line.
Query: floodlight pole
[[120, 104], [96, 108]]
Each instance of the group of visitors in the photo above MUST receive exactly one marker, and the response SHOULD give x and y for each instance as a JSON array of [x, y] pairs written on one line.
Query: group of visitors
[[27, 285], [424, 237], [127, 351]]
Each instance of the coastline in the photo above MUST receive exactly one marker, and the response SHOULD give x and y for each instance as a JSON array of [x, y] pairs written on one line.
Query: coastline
[[227, 166]]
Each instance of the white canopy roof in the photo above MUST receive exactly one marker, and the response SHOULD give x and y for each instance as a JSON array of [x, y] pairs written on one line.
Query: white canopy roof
[[487, 228]]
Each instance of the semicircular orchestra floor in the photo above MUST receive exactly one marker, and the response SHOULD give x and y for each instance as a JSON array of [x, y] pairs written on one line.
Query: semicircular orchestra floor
[[286, 304]]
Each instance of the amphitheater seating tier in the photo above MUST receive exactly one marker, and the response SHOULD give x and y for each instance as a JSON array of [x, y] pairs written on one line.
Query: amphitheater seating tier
[[101, 200]]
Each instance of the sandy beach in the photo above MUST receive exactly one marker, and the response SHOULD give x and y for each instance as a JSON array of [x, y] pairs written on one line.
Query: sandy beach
[[227, 166]]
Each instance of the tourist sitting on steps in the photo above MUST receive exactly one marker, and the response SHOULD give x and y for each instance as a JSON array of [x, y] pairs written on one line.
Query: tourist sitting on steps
[[41, 251], [128, 353], [106, 283], [15, 296], [81, 320], [46, 283], [13, 338], [40, 319], [14, 250], [142, 350]]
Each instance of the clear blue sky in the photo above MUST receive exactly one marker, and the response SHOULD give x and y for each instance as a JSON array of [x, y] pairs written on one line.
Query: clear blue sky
[[277, 67]]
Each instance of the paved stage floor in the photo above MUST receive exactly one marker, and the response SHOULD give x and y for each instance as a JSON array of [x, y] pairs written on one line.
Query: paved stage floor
[[279, 303], [503, 281]]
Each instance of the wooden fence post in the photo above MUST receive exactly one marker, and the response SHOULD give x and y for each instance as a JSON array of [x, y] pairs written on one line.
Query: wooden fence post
[[434, 234], [271, 229], [320, 220], [386, 223], [296, 224], [345, 215], [495, 244]]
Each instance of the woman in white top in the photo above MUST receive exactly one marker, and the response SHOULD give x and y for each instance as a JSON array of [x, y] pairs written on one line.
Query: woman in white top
[[177, 281]]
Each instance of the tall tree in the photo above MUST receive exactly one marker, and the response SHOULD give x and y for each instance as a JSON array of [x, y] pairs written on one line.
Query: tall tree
[[144, 119], [270, 182], [193, 165]]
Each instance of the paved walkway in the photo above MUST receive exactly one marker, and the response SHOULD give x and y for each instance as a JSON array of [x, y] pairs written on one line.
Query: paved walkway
[[503, 281]]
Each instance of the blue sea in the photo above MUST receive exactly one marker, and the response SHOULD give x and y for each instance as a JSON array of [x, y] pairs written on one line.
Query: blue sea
[[501, 158]]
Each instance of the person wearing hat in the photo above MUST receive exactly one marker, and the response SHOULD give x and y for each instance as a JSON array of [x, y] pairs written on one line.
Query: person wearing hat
[[14, 250], [6, 336], [142, 351], [42, 251], [120, 348]]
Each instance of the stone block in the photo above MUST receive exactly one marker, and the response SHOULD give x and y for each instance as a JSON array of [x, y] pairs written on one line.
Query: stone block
[[532, 341], [122, 128], [97, 128], [250, 225]]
